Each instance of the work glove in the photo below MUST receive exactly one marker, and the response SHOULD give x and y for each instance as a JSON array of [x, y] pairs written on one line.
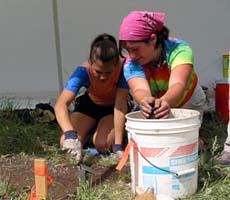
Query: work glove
[[118, 151], [73, 145]]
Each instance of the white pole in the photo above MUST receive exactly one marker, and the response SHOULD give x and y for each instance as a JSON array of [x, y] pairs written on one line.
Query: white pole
[[57, 44]]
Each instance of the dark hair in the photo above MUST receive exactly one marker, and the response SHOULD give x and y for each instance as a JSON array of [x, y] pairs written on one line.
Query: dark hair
[[104, 48], [161, 37]]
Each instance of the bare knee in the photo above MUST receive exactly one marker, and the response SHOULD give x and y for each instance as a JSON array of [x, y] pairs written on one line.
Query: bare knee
[[101, 146]]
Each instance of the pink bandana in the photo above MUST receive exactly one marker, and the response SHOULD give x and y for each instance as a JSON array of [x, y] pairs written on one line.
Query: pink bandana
[[139, 25]]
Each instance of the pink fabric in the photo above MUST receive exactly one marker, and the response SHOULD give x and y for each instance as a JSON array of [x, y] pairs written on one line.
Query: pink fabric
[[139, 25]]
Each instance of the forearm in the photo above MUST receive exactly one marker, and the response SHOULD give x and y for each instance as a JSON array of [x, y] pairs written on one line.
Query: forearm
[[173, 94], [140, 89], [63, 118], [120, 111], [62, 112], [140, 94], [177, 83]]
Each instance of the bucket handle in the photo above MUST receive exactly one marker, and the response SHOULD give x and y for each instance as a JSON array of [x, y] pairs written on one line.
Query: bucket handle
[[177, 174]]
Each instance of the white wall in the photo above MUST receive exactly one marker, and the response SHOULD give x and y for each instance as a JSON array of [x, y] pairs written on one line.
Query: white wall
[[205, 25], [202, 23], [80, 21], [27, 52]]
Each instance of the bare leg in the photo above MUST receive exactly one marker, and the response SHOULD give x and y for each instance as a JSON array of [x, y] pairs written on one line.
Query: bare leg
[[104, 135]]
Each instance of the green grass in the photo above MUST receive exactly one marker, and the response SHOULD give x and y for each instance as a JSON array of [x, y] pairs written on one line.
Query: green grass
[[213, 179], [42, 139], [16, 137], [103, 192], [9, 192]]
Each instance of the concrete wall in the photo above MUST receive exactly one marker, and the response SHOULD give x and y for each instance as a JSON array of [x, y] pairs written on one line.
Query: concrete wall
[[28, 64]]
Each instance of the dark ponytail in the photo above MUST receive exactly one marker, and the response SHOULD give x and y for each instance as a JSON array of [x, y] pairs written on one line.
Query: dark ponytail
[[104, 48], [162, 36]]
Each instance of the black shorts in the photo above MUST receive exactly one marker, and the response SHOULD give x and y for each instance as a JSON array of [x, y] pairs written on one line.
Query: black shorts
[[85, 105]]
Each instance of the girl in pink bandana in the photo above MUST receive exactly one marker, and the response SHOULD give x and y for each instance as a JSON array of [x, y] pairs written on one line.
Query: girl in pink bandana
[[159, 69]]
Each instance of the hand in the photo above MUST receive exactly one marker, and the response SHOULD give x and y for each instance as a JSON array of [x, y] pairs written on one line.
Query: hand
[[161, 108], [74, 147], [119, 154], [118, 151], [146, 106]]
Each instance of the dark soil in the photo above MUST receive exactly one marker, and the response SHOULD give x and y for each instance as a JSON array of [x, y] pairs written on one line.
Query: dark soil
[[17, 171]]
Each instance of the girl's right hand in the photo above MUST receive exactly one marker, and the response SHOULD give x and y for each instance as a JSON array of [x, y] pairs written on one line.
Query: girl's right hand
[[154, 108], [146, 106]]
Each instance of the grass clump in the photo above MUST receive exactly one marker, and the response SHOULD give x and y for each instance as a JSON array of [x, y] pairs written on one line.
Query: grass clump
[[213, 179], [8, 191], [105, 191], [17, 137], [84, 191]]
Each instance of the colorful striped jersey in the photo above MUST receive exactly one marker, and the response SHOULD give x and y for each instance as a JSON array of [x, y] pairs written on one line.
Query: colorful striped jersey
[[176, 52]]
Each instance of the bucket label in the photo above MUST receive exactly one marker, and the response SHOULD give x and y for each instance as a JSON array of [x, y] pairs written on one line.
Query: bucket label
[[178, 161], [169, 160], [154, 170], [173, 163]]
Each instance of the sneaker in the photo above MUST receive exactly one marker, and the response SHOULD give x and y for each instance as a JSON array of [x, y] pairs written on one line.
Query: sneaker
[[224, 158], [74, 147]]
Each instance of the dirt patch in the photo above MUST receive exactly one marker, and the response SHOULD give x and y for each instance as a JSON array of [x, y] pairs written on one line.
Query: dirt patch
[[17, 171]]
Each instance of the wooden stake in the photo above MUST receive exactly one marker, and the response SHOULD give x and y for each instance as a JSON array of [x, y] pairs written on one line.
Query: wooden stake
[[41, 184]]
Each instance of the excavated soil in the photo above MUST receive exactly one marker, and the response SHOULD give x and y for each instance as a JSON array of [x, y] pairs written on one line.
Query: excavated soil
[[17, 171]]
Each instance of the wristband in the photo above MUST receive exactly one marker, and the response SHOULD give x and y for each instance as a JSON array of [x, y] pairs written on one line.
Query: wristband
[[117, 147], [70, 134]]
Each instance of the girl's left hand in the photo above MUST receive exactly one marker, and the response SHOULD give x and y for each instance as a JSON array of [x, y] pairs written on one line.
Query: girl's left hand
[[162, 109]]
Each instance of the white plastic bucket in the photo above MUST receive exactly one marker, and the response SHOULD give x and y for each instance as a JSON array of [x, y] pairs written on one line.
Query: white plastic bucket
[[165, 152]]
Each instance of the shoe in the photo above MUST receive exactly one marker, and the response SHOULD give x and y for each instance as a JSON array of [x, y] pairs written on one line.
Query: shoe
[[74, 147], [224, 158]]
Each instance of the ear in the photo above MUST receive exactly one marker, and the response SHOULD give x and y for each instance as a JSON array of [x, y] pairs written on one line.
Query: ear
[[153, 37]]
